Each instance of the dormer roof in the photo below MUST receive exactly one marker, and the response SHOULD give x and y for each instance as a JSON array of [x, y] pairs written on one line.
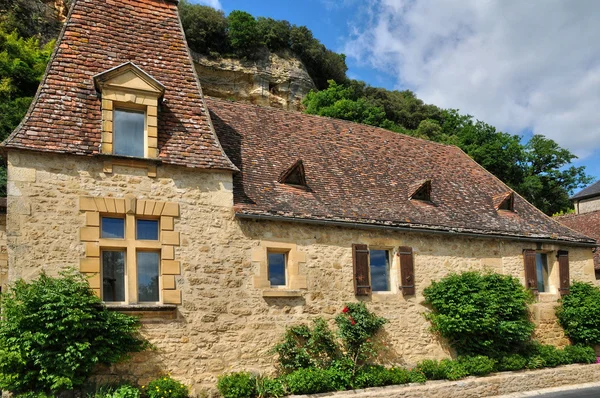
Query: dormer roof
[[126, 43]]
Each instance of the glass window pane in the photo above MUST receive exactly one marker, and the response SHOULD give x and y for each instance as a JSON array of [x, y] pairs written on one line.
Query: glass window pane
[[541, 263], [113, 228], [277, 269], [113, 276], [128, 133], [147, 229], [147, 267], [380, 270]]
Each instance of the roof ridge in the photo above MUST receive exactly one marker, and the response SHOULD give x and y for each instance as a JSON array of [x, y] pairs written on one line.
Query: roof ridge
[[270, 108]]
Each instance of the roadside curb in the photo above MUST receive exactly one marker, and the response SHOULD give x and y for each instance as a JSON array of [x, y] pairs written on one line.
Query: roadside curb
[[549, 390]]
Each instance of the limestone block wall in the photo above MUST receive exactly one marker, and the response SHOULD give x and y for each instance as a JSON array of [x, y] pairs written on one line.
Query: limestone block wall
[[225, 322], [587, 205]]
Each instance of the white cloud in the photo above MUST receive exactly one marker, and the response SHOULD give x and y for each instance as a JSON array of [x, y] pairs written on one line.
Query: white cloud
[[514, 64], [213, 3]]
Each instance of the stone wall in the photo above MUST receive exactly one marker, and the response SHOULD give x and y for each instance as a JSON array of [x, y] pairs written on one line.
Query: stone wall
[[587, 205], [224, 322], [476, 387]]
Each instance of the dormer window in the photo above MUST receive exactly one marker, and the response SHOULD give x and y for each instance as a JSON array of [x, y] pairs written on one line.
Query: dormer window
[[129, 136], [130, 100], [505, 201], [423, 192], [294, 176]]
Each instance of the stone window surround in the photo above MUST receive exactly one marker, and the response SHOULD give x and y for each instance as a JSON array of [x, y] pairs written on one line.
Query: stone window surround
[[130, 208], [553, 272], [294, 280]]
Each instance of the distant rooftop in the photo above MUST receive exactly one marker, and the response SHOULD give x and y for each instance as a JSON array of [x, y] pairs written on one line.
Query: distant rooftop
[[592, 190]]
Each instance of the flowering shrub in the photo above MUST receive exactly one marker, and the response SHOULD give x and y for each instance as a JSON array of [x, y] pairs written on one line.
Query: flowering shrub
[[165, 387]]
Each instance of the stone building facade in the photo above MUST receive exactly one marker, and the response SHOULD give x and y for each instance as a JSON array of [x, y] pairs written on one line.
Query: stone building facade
[[254, 219]]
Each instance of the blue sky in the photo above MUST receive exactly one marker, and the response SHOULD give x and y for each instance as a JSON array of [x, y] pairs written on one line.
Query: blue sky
[[528, 67]]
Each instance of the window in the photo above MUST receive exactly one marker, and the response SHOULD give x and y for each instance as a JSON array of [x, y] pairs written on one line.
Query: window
[[122, 262], [379, 269], [277, 265], [423, 192], [129, 133], [541, 270]]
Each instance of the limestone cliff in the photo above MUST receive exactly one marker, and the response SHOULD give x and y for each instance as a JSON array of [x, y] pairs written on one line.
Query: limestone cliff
[[277, 80]]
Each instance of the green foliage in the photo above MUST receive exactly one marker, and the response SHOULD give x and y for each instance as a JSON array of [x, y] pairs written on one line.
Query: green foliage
[[511, 362], [579, 313], [444, 369], [478, 365], [166, 387], [205, 28], [373, 376], [357, 329], [54, 331], [303, 347], [480, 314], [237, 385], [275, 34], [122, 391], [243, 34], [580, 354], [267, 387], [550, 355], [30, 18], [310, 381]]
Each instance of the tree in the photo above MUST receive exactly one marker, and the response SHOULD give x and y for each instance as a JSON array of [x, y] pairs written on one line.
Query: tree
[[243, 34], [30, 18], [205, 28], [275, 34]]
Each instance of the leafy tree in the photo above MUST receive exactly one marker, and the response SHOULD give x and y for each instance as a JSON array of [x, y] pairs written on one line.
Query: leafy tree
[[205, 28], [54, 331], [243, 33], [275, 34], [30, 18]]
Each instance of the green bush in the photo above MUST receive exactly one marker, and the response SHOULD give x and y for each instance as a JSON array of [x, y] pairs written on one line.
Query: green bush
[[54, 331], [511, 362], [373, 376], [309, 381], [550, 355], [303, 347], [430, 368], [480, 313], [452, 370], [122, 391], [357, 329], [237, 385], [580, 354], [478, 365], [579, 314], [166, 387], [342, 374], [267, 387]]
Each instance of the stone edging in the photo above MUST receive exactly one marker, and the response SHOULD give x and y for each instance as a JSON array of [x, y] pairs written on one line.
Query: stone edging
[[476, 387]]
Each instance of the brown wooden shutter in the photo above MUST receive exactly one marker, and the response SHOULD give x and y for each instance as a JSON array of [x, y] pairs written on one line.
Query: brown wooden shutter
[[563, 272], [407, 271], [360, 257], [530, 271]]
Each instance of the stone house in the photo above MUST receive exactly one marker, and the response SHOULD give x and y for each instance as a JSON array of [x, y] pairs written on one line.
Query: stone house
[[223, 223], [587, 217]]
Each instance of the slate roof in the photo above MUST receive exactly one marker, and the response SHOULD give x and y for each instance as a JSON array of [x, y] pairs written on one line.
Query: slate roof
[[588, 192], [362, 174], [586, 223], [65, 115]]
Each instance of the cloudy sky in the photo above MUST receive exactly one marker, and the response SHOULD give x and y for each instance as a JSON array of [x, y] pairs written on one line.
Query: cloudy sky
[[523, 66]]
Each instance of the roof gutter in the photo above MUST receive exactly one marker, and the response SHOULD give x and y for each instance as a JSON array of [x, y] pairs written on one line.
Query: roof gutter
[[408, 229]]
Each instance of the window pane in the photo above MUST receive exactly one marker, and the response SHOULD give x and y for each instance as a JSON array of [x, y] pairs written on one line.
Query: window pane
[[147, 266], [113, 228], [379, 270], [277, 269], [541, 264], [128, 137], [113, 276], [147, 229]]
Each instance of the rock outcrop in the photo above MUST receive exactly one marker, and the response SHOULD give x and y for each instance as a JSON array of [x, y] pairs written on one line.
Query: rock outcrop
[[277, 80]]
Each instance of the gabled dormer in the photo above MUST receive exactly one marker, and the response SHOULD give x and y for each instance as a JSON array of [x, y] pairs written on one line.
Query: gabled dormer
[[130, 98], [421, 191], [505, 201], [294, 176]]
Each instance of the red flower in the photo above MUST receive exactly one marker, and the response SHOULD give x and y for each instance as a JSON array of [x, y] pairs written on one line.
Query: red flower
[[353, 322], [345, 310]]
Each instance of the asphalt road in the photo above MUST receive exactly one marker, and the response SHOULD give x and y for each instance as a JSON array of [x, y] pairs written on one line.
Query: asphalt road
[[593, 392]]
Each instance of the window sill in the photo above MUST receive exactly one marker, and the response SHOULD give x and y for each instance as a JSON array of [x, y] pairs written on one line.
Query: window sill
[[110, 160], [281, 293], [146, 311]]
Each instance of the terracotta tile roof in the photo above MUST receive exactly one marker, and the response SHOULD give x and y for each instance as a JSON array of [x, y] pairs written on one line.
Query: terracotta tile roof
[[592, 190], [586, 223], [362, 174], [101, 34]]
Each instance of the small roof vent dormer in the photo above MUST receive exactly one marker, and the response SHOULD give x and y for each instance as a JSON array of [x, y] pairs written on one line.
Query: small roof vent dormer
[[422, 192], [505, 201], [295, 175]]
